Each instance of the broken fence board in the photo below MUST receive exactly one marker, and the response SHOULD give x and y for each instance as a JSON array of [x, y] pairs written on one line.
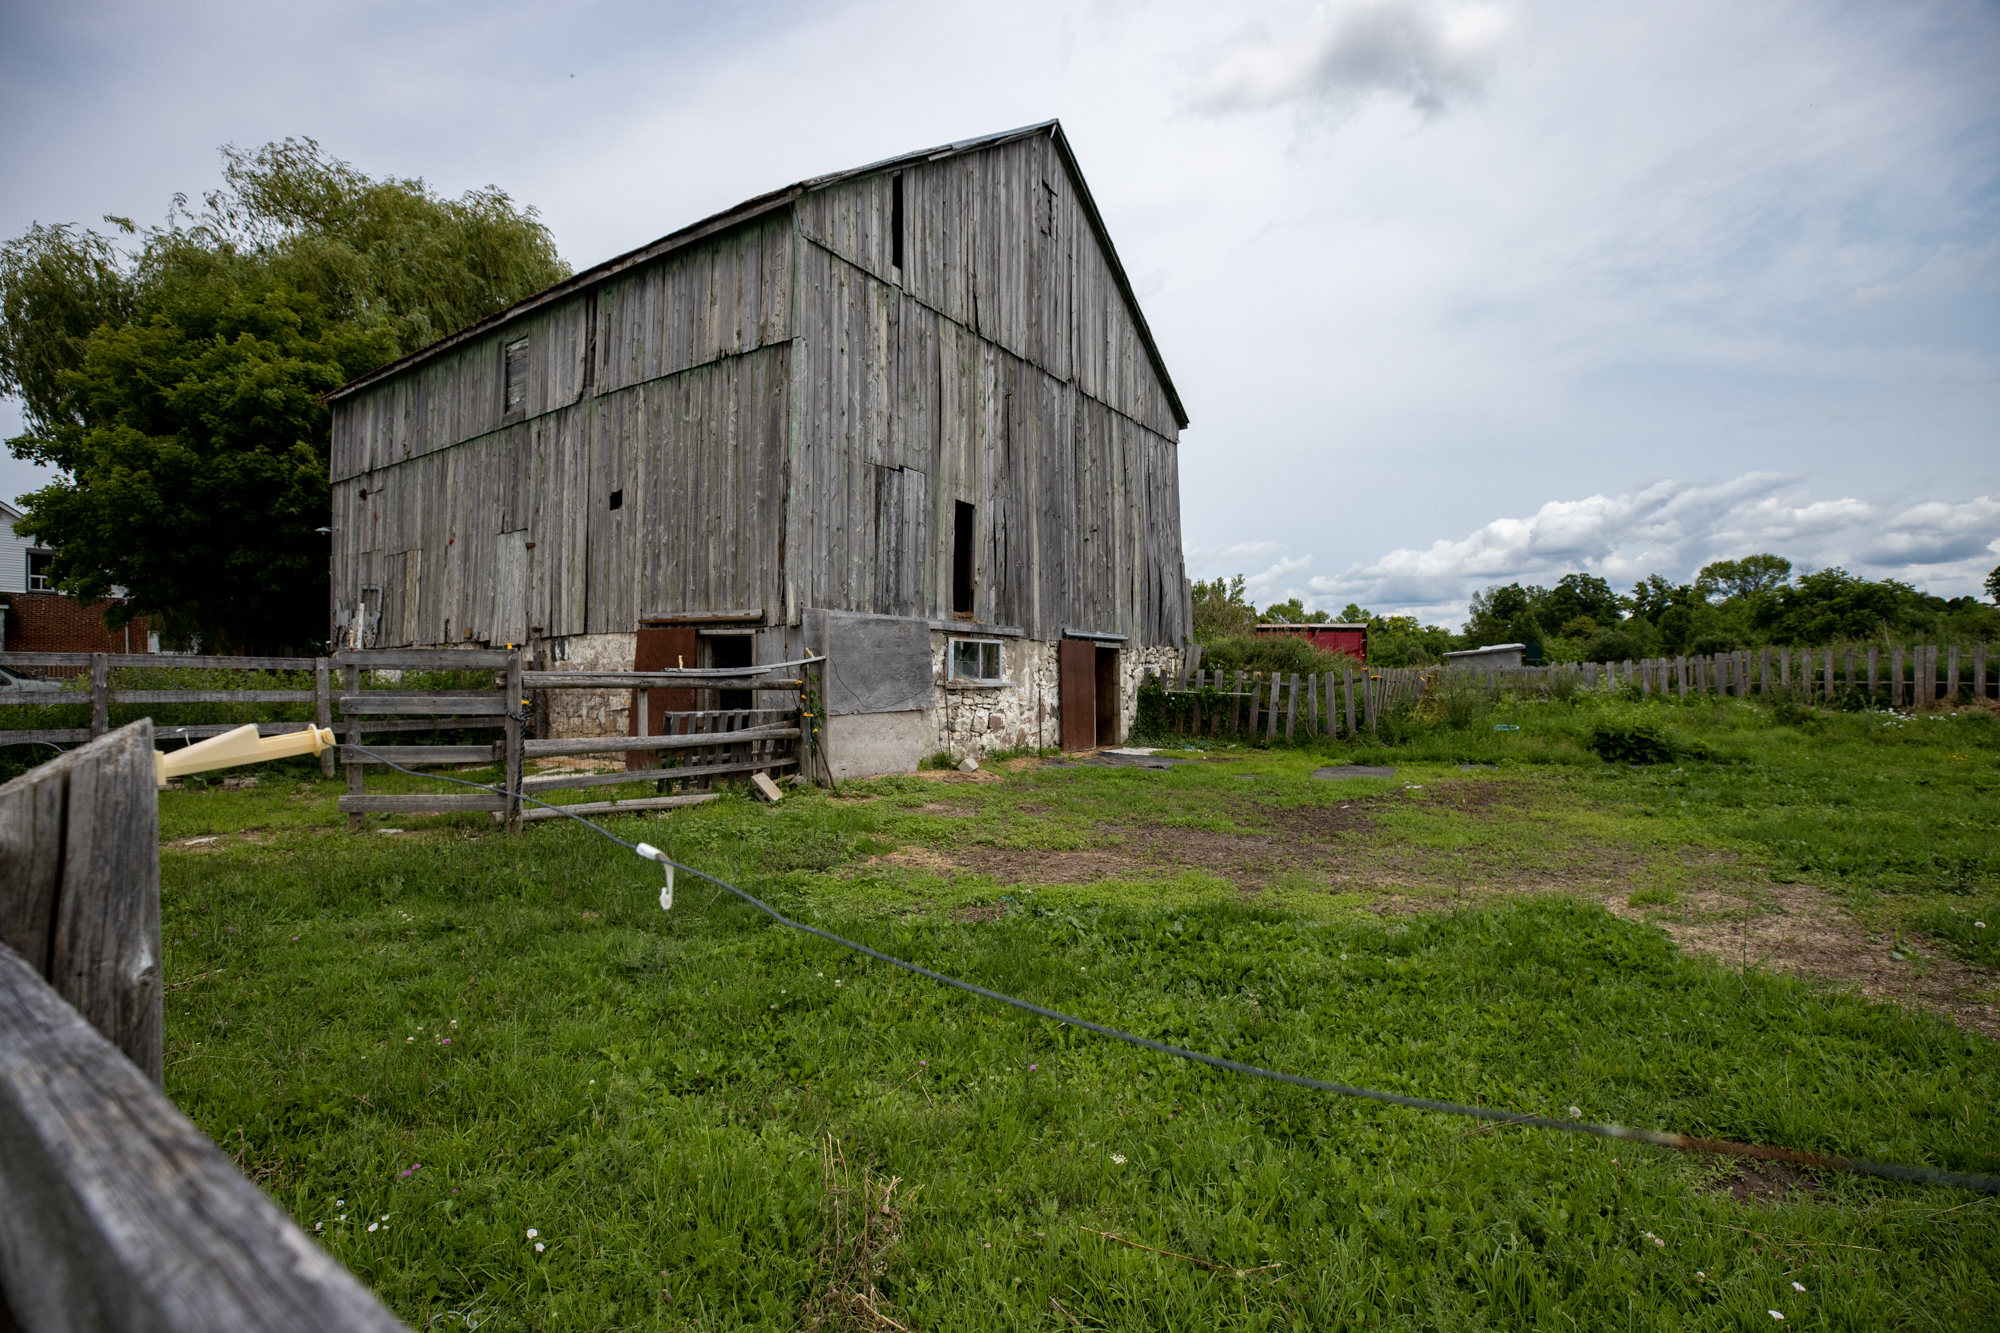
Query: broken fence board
[[619, 807], [487, 705], [419, 804], [618, 744]]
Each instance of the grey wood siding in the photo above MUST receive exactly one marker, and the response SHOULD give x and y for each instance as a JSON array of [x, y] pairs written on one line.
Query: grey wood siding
[[998, 242], [723, 296], [698, 458], [789, 422], [1078, 504]]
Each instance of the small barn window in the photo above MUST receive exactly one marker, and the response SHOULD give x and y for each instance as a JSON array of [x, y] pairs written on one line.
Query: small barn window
[[963, 524], [976, 660], [516, 399], [38, 571], [1048, 210], [618, 499], [896, 221]]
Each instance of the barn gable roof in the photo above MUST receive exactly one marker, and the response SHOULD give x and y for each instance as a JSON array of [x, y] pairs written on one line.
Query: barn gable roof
[[784, 198]]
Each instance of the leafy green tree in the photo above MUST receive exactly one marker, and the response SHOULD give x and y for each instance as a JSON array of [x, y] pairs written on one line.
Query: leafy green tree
[[1221, 611], [1580, 597], [1505, 615], [175, 386], [1292, 612], [1993, 584], [1742, 578], [1831, 604]]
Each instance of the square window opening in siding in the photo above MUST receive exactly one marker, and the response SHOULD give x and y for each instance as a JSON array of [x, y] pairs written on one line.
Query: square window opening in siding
[[515, 378], [962, 527], [39, 579], [976, 661]]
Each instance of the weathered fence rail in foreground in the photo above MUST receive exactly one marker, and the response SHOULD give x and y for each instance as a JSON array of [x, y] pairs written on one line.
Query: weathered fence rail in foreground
[[116, 1212], [1245, 703]]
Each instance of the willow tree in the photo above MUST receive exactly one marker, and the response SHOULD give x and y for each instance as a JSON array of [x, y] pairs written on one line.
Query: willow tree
[[172, 375]]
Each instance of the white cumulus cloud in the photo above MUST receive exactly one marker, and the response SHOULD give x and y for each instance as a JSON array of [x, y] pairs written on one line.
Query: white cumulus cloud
[[1671, 528], [1346, 52]]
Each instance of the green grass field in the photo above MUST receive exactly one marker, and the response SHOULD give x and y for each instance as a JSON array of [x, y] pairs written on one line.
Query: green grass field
[[429, 1045]]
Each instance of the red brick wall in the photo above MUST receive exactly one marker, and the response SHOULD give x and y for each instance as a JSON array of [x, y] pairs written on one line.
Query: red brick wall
[[48, 622]]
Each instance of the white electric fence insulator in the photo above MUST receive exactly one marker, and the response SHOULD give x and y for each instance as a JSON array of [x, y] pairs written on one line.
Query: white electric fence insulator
[[652, 853]]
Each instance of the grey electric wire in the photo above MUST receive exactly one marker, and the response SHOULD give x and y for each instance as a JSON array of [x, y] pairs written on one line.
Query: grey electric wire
[[1888, 1171]]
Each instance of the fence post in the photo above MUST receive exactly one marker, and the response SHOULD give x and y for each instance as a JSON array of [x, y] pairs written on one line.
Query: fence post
[[1292, 699], [355, 769], [1951, 676], [1979, 671], [323, 709], [517, 708], [80, 885], [100, 694]]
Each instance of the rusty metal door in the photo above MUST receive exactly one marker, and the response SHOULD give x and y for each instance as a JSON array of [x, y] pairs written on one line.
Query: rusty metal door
[[661, 648], [1076, 693]]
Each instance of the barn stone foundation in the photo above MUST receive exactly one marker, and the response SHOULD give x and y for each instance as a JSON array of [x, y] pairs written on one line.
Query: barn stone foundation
[[974, 721], [961, 720]]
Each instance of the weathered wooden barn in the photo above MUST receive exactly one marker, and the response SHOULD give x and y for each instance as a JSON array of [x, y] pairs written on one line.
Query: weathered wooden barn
[[909, 412]]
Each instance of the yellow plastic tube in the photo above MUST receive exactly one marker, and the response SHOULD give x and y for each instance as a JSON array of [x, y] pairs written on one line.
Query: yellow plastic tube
[[241, 746]]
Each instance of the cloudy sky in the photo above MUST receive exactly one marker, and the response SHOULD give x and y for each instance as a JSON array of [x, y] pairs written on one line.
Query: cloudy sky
[[1455, 294]]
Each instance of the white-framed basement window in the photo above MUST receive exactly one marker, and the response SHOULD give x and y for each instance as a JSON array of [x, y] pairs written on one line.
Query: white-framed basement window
[[976, 661]]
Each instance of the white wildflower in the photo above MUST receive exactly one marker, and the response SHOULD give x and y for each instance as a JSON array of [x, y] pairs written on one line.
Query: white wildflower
[[538, 1247], [1799, 1288], [1117, 1159], [372, 1226], [1775, 1315], [532, 1233], [1576, 1113]]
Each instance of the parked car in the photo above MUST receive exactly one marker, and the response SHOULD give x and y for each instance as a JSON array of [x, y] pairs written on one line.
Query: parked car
[[13, 680]]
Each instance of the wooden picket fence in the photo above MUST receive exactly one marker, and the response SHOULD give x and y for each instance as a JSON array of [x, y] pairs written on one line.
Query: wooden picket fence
[[1918, 676], [1253, 703], [1336, 703]]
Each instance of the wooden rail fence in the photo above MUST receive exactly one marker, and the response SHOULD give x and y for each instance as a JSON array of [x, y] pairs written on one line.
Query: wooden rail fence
[[116, 1212], [689, 753]]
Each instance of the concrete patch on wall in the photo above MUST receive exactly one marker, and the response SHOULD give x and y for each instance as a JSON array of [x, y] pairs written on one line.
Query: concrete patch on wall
[[875, 664], [862, 745], [588, 712]]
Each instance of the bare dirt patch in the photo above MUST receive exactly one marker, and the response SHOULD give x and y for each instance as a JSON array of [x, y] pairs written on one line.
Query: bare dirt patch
[[1756, 1182], [975, 915], [1799, 929], [953, 775], [938, 808]]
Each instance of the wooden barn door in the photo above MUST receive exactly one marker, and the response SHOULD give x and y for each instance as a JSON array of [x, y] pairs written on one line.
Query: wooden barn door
[[1076, 693], [661, 648]]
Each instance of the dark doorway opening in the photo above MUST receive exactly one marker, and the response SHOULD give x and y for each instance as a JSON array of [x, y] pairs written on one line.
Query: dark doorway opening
[[962, 526], [730, 650], [1107, 696]]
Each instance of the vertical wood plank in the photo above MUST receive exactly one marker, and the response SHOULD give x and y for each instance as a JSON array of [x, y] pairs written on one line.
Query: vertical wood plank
[[100, 694], [1348, 674], [354, 770], [1951, 677], [323, 710]]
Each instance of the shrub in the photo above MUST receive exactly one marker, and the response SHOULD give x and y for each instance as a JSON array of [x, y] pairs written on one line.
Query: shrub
[[1632, 743], [1270, 653]]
